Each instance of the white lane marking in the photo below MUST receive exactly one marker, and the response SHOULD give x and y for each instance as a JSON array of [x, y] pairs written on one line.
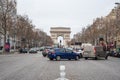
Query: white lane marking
[[62, 73]]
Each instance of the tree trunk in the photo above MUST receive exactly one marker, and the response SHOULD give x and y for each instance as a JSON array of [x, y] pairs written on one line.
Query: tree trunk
[[4, 43]]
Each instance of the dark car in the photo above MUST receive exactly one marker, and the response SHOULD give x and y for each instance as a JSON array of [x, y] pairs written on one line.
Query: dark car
[[23, 50], [117, 53], [46, 50], [63, 53]]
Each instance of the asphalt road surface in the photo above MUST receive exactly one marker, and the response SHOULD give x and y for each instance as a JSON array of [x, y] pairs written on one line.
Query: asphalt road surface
[[36, 67]]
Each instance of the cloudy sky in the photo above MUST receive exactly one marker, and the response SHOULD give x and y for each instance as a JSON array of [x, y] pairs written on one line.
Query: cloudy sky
[[64, 13]]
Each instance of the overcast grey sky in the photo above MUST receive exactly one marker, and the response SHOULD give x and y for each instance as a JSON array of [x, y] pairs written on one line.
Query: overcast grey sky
[[64, 13]]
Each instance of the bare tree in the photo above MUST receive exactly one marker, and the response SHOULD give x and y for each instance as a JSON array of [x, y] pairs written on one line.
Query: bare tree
[[25, 31], [105, 27], [7, 12]]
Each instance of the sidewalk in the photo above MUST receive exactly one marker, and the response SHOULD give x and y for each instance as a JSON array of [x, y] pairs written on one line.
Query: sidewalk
[[11, 52]]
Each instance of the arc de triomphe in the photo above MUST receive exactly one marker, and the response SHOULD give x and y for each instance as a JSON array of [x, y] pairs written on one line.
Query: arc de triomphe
[[60, 31]]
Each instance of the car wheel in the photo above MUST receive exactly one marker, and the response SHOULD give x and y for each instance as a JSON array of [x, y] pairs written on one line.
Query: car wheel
[[86, 58], [69, 59], [58, 58], [51, 58], [96, 58], [81, 56], [106, 57], [45, 55], [77, 57]]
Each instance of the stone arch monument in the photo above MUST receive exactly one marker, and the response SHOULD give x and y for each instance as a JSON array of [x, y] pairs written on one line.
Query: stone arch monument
[[60, 31]]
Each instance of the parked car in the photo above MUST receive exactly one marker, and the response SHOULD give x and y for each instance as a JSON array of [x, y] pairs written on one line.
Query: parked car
[[117, 54], [33, 50], [42, 48], [112, 53], [23, 50], [95, 52], [62, 53]]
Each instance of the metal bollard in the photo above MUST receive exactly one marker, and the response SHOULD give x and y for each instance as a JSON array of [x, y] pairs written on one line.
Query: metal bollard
[[62, 73]]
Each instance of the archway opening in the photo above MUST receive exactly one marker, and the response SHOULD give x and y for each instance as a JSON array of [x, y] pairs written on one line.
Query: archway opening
[[60, 41]]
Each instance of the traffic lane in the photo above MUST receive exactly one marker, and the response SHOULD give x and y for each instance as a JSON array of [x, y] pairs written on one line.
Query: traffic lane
[[83, 69], [93, 69], [28, 67], [36, 67], [36, 71], [15, 64]]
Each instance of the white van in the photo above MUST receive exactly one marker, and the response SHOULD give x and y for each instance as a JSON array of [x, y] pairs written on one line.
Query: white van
[[94, 52]]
